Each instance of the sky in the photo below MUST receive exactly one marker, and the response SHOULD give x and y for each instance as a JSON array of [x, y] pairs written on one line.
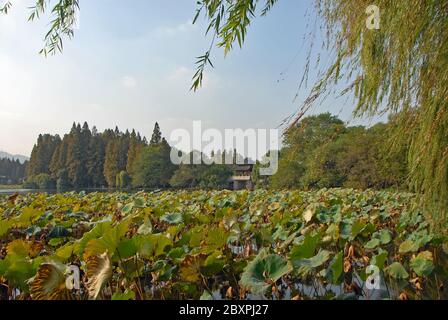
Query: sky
[[131, 65]]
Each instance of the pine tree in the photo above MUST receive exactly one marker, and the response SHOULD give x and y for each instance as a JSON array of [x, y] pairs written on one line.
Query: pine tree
[[76, 158], [111, 162], [42, 154], [95, 161], [156, 137], [132, 152]]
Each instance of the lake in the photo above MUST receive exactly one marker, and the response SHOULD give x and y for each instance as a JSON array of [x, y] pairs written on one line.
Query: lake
[[49, 191], [87, 190]]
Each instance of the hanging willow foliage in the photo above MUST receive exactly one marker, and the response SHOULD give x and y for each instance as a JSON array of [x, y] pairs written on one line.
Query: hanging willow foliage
[[401, 68]]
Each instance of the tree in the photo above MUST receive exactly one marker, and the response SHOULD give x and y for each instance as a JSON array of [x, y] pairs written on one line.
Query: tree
[[156, 137], [12, 171], [111, 162], [76, 156], [299, 145], [186, 176], [89, 158], [42, 154], [153, 167], [95, 161], [215, 176], [123, 180], [43, 181], [63, 182], [321, 152]]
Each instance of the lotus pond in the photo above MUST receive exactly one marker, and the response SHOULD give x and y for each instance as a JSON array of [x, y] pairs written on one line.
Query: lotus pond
[[326, 244]]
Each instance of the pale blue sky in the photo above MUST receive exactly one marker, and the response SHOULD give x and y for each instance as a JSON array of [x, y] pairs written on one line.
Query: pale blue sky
[[131, 64]]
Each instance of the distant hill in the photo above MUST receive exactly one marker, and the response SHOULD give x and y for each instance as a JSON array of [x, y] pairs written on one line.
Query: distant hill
[[21, 158]]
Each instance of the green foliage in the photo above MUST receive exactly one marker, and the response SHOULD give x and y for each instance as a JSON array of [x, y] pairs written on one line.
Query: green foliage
[[186, 176], [264, 271], [123, 180], [63, 182], [215, 176], [62, 24], [393, 69], [229, 22], [86, 158], [40, 181], [12, 171], [156, 137], [397, 271], [42, 153], [181, 244], [321, 152], [154, 168], [202, 175]]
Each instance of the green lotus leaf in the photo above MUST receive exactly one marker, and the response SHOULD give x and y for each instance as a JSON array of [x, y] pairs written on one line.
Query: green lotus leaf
[[213, 264], [357, 228], [27, 216], [145, 228], [139, 202], [172, 218], [18, 248], [127, 295], [422, 264], [55, 242], [65, 252], [397, 271], [206, 296], [126, 248], [152, 245], [305, 266], [335, 269], [5, 225], [264, 271], [380, 259], [372, 244], [385, 236], [127, 208], [306, 248], [108, 242], [408, 246]]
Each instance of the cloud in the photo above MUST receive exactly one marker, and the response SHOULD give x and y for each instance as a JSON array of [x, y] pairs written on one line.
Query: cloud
[[180, 73], [129, 82], [170, 31], [4, 114]]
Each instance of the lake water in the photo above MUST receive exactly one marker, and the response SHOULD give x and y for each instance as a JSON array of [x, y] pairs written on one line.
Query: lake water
[[88, 190], [49, 191]]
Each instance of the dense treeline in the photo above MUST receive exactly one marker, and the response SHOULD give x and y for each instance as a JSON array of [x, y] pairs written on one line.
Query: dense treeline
[[321, 151], [12, 171], [85, 158]]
